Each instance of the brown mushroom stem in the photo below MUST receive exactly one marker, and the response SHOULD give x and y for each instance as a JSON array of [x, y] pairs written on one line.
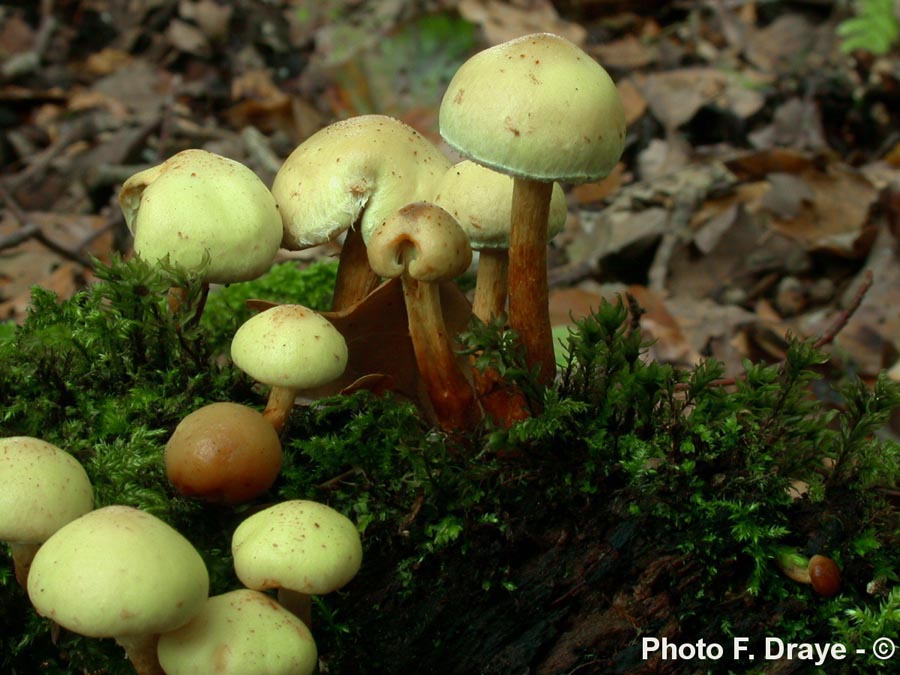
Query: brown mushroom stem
[[529, 308], [141, 651], [23, 555], [491, 284], [501, 402], [355, 278], [449, 391], [298, 604], [279, 406]]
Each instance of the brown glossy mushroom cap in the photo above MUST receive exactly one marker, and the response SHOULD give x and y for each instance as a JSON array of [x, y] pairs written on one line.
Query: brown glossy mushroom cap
[[357, 170], [535, 107], [824, 575], [223, 452]]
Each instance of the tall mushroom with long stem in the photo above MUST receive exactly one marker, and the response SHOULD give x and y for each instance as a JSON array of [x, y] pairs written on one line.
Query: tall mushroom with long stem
[[198, 206], [348, 177], [541, 110], [480, 199], [424, 245]]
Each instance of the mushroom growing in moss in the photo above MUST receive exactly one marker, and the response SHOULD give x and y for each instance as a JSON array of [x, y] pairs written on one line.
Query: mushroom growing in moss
[[199, 206], [242, 632], [223, 452], [122, 573], [290, 348], [44, 488], [348, 177], [300, 547], [541, 110], [424, 245], [820, 571]]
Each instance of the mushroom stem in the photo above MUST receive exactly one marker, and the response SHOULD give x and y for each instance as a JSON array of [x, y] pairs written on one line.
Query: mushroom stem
[[22, 555], [491, 284], [355, 278], [449, 391], [529, 309], [298, 604], [278, 407], [141, 651]]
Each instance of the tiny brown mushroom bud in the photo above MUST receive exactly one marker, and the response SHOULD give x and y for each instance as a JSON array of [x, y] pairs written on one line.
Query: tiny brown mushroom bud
[[223, 452], [824, 575]]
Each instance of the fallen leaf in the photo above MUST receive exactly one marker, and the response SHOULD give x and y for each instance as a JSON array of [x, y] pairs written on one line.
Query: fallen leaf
[[675, 96], [502, 21]]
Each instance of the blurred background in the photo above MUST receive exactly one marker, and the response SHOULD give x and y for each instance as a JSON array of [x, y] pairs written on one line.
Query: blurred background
[[760, 182]]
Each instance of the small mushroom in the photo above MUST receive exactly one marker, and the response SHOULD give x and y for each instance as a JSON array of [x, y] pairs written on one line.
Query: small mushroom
[[242, 632], [223, 452], [300, 547], [541, 110], [44, 488], [424, 245], [348, 177], [820, 571], [290, 348], [122, 573], [198, 205]]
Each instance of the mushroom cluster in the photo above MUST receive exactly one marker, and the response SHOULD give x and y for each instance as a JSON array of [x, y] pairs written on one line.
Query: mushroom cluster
[[119, 572], [527, 115]]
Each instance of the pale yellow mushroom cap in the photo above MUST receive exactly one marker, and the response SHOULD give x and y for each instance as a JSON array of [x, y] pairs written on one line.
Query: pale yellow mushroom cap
[[290, 346], [43, 488], [198, 203], [243, 632], [357, 170], [118, 571], [423, 239], [481, 201], [300, 545], [535, 107]]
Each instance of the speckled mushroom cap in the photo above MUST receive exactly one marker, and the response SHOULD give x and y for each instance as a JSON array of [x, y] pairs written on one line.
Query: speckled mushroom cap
[[243, 632], [118, 571], [535, 107], [43, 488], [481, 200], [290, 346], [198, 203], [359, 169], [439, 247], [300, 545]]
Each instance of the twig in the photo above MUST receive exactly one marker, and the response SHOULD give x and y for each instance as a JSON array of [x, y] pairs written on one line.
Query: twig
[[836, 327], [28, 230]]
